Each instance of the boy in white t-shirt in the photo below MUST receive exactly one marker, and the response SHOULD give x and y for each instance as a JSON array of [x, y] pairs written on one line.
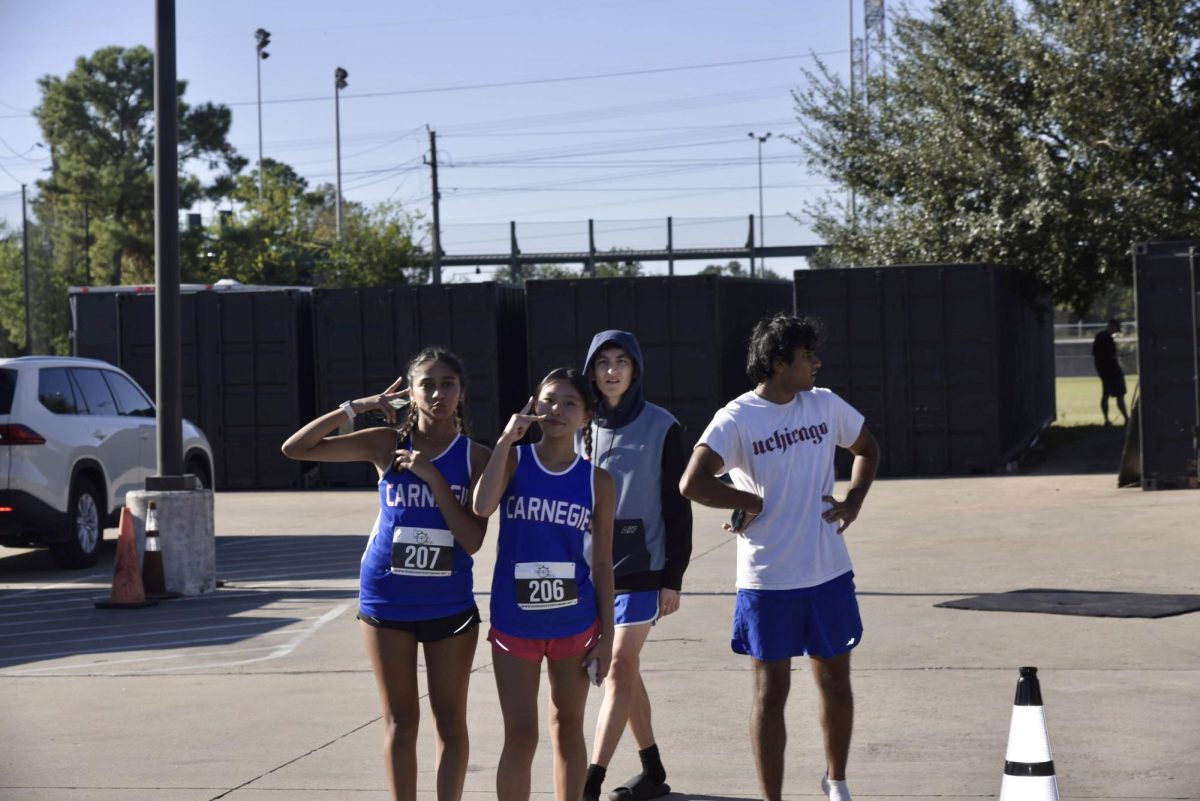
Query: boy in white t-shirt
[[795, 585]]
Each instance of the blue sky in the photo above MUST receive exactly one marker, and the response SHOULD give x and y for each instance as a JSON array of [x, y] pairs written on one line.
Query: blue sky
[[551, 149]]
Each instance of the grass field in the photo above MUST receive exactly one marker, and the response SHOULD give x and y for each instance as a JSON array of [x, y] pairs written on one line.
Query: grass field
[[1078, 401]]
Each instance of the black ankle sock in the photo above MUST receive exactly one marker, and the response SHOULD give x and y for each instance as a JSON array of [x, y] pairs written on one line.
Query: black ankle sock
[[652, 766], [595, 778]]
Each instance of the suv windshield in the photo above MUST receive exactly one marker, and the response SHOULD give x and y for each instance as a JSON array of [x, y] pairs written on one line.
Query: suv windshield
[[8, 384]]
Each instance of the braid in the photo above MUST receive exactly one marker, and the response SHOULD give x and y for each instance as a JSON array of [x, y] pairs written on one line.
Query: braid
[[460, 419], [587, 439], [404, 431]]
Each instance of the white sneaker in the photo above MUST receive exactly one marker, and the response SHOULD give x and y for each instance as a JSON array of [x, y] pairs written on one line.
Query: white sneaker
[[835, 790]]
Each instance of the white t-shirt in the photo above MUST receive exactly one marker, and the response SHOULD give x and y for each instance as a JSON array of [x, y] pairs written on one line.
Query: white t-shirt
[[784, 454]]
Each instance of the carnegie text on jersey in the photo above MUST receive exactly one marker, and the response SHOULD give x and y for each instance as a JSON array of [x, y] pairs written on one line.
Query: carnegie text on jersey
[[548, 510], [419, 496]]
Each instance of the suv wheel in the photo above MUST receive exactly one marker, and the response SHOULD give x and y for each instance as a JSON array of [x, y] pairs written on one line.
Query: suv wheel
[[84, 526], [196, 467]]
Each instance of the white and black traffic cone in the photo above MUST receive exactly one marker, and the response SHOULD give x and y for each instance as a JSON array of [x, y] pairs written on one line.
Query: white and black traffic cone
[[154, 581], [1028, 764]]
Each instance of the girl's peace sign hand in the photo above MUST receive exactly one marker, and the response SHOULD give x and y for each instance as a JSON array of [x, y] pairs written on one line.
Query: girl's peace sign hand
[[519, 423], [388, 402]]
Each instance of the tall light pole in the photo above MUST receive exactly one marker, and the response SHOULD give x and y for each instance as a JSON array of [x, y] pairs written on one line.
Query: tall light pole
[[263, 38], [761, 239], [339, 83]]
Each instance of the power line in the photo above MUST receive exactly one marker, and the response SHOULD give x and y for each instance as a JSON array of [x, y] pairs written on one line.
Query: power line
[[602, 131], [649, 222], [542, 81], [481, 189], [606, 150], [733, 161], [605, 113], [10, 175]]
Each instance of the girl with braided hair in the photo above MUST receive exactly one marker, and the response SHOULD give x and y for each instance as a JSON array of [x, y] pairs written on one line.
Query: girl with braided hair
[[416, 584], [552, 590]]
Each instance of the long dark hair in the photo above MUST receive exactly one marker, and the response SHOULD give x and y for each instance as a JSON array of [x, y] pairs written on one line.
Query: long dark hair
[[584, 387], [435, 353]]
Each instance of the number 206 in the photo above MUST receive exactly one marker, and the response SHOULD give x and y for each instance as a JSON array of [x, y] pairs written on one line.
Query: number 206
[[541, 591]]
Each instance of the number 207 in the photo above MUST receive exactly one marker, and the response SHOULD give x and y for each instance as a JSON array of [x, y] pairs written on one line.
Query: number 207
[[421, 557], [544, 590]]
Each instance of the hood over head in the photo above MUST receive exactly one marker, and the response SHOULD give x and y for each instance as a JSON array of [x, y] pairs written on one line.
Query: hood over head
[[634, 398]]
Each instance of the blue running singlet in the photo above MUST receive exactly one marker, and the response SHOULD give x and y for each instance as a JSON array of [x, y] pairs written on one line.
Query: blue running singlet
[[542, 585], [413, 568]]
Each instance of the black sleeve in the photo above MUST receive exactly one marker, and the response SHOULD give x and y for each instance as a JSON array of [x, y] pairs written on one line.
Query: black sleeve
[[676, 510]]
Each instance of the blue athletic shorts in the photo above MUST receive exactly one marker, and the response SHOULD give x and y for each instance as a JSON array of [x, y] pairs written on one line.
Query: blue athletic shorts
[[812, 621], [635, 608]]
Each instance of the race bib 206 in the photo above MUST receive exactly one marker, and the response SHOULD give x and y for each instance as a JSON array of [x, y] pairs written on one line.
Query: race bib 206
[[546, 585]]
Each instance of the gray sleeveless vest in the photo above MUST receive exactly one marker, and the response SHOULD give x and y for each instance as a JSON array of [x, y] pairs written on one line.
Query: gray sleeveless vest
[[633, 455]]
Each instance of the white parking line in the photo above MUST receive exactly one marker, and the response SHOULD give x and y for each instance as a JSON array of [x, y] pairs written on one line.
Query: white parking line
[[263, 621], [91, 577], [277, 652], [26, 607]]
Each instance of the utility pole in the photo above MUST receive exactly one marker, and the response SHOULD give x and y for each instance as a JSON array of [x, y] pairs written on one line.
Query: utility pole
[[339, 83], [25, 253], [263, 37], [853, 209], [167, 371], [437, 219], [762, 240], [87, 245]]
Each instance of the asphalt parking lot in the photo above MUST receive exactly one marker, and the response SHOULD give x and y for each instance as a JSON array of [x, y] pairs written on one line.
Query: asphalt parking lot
[[261, 690]]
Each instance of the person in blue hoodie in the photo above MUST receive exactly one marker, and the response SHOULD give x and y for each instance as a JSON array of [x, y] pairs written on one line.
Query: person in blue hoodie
[[641, 446]]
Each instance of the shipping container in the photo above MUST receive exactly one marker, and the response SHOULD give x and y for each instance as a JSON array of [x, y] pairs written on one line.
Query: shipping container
[[95, 328], [1165, 294], [952, 365], [245, 368], [692, 329], [365, 337]]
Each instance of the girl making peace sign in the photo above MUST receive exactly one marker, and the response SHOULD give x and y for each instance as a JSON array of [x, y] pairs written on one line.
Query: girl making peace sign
[[415, 579], [552, 591]]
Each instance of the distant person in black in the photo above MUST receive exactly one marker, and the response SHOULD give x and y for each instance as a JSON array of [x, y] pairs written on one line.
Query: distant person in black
[[1108, 367]]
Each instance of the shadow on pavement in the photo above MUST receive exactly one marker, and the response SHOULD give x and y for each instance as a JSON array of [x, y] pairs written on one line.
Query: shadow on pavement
[[1075, 450], [272, 587]]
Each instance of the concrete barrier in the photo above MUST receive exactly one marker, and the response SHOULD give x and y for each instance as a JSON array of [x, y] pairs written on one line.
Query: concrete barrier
[[187, 534]]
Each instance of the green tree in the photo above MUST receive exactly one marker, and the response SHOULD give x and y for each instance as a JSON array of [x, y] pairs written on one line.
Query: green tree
[[268, 241], [47, 290], [734, 268], [1045, 134], [12, 293], [611, 268], [533, 272], [378, 248], [98, 122], [614, 268], [290, 237]]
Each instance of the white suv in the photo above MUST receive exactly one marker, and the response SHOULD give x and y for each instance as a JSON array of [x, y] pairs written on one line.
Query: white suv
[[75, 436]]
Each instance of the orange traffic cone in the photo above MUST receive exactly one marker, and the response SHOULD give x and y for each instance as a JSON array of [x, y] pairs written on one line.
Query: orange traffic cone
[[127, 591], [1028, 764]]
